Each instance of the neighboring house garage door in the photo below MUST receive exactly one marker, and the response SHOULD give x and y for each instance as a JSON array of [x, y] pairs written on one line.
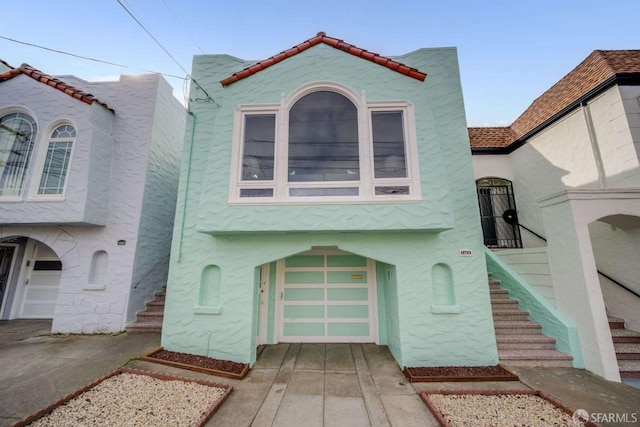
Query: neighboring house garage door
[[41, 287], [327, 298]]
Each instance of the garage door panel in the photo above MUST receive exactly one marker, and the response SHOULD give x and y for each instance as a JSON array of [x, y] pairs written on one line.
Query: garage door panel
[[348, 311], [346, 261], [304, 294], [304, 311], [347, 294], [302, 329], [346, 277], [303, 277], [348, 329], [328, 301]]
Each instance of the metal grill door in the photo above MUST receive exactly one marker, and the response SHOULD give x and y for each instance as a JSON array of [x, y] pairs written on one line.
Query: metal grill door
[[497, 203]]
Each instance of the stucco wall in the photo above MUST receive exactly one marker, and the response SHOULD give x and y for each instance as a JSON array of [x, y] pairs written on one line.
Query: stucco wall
[[492, 166], [91, 155], [533, 266], [114, 170], [243, 237]]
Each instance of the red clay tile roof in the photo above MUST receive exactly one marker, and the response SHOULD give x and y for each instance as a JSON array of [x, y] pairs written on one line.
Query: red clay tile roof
[[596, 69], [338, 44], [51, 81]]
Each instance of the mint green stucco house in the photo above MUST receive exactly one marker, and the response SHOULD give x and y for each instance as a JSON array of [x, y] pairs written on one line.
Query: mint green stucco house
[[327, 195]]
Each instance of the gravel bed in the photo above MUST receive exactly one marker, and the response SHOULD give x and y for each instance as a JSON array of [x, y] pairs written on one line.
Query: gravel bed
[[501, 410], [135, 400], [462, 371], [201, 361]]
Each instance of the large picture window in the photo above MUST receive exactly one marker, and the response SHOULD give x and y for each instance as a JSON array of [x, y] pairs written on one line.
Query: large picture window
[[56, 164], [325, 145], [17, 135]]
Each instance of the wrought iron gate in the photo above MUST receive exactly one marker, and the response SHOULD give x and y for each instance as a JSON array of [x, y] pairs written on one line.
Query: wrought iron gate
[[498, 213]]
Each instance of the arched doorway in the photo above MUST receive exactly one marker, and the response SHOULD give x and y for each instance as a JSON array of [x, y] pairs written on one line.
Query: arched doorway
[[498, 213], [30, 274]]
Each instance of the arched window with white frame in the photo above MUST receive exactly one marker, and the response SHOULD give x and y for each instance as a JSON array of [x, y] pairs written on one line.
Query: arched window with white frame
[[324, 143], [17, 136], [56, 163]]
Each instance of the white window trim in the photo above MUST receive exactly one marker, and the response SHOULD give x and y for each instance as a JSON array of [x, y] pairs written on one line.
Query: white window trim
[[367, 182], [41, 158]]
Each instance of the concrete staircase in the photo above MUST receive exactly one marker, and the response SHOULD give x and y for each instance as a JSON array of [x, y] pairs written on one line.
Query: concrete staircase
[[520, 341], [150, 320], [627, 346]]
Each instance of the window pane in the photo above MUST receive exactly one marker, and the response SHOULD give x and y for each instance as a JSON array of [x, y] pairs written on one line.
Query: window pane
[[323, 139], [383, 191], [340, 191], [389, 160], [259, 143], [256, 192], [17, 134], [55, 168]]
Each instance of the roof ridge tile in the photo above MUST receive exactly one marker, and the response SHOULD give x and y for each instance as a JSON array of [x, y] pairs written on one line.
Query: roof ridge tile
[[321, 37]]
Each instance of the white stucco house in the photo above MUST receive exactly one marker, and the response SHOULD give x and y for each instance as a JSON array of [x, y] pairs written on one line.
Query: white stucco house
[[559, 194], [88, 181]]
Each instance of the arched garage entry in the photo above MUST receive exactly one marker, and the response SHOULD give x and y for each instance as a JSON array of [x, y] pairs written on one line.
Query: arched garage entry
[[324, 295]]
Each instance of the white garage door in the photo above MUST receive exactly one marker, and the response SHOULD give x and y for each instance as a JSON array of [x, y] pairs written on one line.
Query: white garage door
[[327, 298]]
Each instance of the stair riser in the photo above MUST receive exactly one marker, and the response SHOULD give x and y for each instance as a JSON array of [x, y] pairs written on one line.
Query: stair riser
[[627, 374], [526, 346], [150, 317], [132, 328], [626, 340], [538, 363], [155, 308], [517, 331], [616, 325], [515, 317], [628, 356]]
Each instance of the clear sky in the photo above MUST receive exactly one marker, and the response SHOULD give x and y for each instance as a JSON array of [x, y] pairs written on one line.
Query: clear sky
[[509, 52]]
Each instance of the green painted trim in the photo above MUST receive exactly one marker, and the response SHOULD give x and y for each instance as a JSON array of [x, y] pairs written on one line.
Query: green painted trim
[[347, 276], [382, 310], [554, 323], [272, 304]]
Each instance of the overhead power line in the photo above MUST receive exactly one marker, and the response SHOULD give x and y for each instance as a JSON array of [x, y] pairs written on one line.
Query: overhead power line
[[90, 59], [209, 97], [183, 27]]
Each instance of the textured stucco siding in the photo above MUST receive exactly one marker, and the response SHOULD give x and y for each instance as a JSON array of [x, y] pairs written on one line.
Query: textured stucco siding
[[113, 169], [239, 238], [48, 107], [532, 265]]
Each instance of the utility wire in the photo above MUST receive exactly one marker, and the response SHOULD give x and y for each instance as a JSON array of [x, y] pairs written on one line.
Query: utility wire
[[90, 59], [183, 27], [209, 97]]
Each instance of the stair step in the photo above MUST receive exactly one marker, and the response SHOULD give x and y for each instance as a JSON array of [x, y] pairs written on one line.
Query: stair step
[[629, 368], [150, 316], [155, 306], [511, 327], [525, 342], [504, 303], [625, 336], [535, 358], [144, 327], [497, 292], [627, 351]]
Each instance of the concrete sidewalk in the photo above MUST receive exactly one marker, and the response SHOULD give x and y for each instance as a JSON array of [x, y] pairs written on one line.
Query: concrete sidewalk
[[290, 385]]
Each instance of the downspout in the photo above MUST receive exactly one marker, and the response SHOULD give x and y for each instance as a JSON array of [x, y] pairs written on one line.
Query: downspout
[[186, 185], [595, 147]]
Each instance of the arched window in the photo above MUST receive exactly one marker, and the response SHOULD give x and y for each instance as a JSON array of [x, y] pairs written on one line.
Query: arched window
[[17, 135], [56, 164], [325, 143], [323, 139], [498, 213]]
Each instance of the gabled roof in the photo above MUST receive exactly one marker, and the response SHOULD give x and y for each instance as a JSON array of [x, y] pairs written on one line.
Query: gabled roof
[[54, 82], [596, 72], [335, 43], [491, 137]]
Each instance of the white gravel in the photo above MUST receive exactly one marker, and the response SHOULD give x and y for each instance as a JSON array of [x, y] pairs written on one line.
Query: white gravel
[[135, 400], [500, 410]]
